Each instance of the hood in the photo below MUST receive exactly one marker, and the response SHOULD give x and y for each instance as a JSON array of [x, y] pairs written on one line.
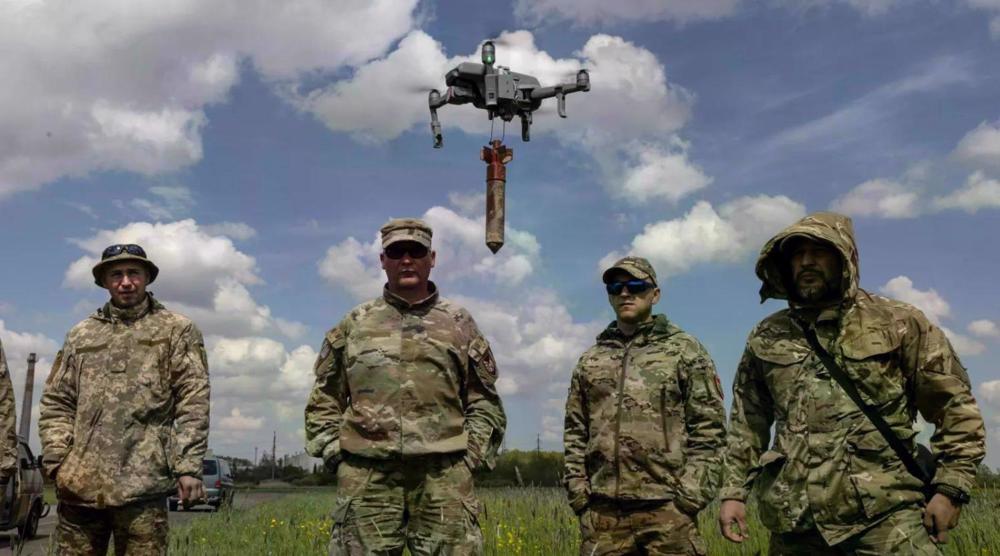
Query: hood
[[829, 227]]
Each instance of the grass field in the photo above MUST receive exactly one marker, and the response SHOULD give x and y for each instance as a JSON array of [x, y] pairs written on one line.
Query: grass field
[[515, 521]]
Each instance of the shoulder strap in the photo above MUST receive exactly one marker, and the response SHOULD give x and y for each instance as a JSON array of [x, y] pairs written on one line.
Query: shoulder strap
[[873, 415]]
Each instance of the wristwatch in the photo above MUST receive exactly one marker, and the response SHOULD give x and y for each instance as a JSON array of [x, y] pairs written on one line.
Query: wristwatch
[[956, 494]]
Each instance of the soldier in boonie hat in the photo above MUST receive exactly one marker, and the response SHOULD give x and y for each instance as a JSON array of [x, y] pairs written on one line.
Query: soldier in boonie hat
[[406, 229], [638, 267], [123, 252]]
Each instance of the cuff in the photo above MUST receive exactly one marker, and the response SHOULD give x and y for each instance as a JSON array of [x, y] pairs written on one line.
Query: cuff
[[189, 467], [958, 481], [957, 496], [733, 493], [331, 455], [579, 501]]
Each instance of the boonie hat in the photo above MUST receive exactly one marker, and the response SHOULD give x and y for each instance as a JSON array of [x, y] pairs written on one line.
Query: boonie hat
[[123, 252], [638, 267], [406, 229]]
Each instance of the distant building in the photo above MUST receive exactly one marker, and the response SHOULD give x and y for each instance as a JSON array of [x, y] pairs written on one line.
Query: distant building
[[303, 461]]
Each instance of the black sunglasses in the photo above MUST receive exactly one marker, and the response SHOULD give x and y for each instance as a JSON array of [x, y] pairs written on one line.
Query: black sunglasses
[[130, 248], [397, 250], [634, 286]]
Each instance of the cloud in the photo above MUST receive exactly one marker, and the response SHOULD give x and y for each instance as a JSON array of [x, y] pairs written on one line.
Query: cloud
[[935, 308], [233, 230], [125, 86], [635, 148], [705, 235], [201, 275], [170, 202], [979, 192], [236, 421], [989, 392], [879, 197], [596, 12], [981, 146], [461, 253], [984, 329]]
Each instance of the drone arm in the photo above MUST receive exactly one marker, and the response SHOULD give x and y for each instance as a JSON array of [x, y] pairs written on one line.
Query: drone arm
[[435, 101]]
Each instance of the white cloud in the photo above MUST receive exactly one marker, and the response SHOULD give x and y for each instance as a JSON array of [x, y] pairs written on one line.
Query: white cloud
[[236, 421], [111, 85], [934, 307], [458, 241], [879, 197], [705, 236], [16, 347], [979, 192], [234, 230], [201, 275], [981, 146], [989, 392], [659, 174], [984, 329], [597, 12], [170, 202], [634, 148]]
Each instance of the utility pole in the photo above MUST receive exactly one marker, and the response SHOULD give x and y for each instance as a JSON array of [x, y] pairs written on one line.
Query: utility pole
[[29, 393], [255, 457], [274, 456], [538, 442]]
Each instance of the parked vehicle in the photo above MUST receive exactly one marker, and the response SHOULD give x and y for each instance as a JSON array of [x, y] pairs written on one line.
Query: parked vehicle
[[23, 504], [218, 479]]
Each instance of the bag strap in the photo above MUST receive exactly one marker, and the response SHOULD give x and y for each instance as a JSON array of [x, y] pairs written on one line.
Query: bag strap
[[873, 415]]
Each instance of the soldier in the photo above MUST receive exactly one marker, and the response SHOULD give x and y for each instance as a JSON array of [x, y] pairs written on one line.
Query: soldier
[[831, 484], [8, 430], [644, 427], [124, 415], [405, 408]]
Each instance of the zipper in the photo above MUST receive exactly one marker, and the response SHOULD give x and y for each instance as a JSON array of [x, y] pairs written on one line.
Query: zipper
[[618, 418]]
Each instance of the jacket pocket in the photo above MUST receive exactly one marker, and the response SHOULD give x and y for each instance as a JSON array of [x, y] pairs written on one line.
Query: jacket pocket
[[774, 501], [871, 360], [674, 434]]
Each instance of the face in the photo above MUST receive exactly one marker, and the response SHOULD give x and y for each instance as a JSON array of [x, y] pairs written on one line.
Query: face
[[410, 271], [816, 270], [126, 282], [629, 307]]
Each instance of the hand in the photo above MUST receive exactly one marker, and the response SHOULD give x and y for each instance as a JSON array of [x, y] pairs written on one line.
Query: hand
[[734, 510], [190, 490], [940, 515]]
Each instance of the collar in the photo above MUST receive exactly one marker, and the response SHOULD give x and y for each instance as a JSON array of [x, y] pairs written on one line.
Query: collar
[[404, 305], [657, 326], [130, 314]]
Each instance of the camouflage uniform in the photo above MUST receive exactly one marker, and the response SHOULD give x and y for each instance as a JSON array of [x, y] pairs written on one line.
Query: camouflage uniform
[[8, 428], [405, 402], [123, 415], [644, 427], [830, 479]]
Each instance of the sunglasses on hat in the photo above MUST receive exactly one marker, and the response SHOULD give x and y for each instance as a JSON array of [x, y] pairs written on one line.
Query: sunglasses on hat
[[398, 249], [118, 249], [634, 286]]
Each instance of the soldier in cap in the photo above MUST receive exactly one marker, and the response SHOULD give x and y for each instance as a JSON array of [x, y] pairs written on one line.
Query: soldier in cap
[[124, 415], [405, 408], [644, 427], [831, 483]]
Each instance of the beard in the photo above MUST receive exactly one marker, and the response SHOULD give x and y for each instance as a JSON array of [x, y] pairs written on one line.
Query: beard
[[816, 291]]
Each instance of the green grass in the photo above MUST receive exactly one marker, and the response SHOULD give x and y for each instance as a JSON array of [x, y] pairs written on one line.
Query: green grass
[[534, 521]]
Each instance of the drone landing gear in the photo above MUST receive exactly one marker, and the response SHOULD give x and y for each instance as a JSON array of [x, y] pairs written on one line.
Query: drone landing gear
[[496, 156]]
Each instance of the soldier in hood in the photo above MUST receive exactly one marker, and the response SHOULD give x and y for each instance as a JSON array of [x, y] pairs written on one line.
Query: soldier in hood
[[831, 483], [124, 415]]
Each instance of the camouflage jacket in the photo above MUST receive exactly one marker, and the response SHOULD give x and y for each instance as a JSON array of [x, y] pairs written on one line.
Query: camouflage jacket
[[125, 409], [398, 379], [8, 427], [644, 419], [829, 468]]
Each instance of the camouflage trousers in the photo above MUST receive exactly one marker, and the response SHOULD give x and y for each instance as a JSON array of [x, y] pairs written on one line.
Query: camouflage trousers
[[425, 503], [610, 527], [902, 532], [139, 528]]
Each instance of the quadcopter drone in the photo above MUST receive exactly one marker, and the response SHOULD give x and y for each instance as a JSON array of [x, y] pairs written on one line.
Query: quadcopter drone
[[506, 94], [499, 91]]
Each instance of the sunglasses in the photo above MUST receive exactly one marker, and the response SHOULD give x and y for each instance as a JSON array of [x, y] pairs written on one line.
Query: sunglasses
[[130, 248], [634, 287], [414, 250]]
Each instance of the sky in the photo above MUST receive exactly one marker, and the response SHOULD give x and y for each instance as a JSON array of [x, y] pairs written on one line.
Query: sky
[[254, 150]]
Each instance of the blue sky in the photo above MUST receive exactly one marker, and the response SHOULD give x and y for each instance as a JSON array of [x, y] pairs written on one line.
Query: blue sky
[[255, 153]]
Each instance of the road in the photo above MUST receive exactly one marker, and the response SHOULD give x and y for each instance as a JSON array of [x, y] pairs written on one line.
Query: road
[[39, 545]]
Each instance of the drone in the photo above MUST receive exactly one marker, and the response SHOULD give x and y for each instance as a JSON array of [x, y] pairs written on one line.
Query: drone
[[504, 94]]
